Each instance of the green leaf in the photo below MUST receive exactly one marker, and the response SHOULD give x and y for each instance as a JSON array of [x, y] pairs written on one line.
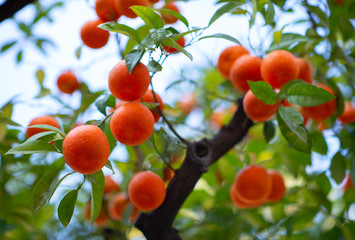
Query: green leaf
[[153, 66], [97, 186], [123, 29], [66, 207], [270, 13], [150, 105], [223, 36], [111, 139], [284, 88], [158, 35], [8, 121], [175, 14], [150, 17], [47, 135], [288, 39], [269, 131], [19, 56], [180, 35], [78, 52], [319, 144], [108, 100], [49, 127], [337, 167], [43, 189], [352, 170], [263, 91], [36, 146], [40, 76], [56, 186], [339, 96], [255, 11], [226, 8], [290, 122], [133, 58], [307, 95], [109, 166], [172, 43], [7, 46]]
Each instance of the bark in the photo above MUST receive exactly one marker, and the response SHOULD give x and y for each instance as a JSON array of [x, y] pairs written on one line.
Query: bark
[[158, 224], [10, 7]]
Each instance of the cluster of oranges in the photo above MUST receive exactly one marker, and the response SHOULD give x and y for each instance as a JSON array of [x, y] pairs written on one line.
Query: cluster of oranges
[[277, 68], [254, 185], [112, 10], [146, 191]]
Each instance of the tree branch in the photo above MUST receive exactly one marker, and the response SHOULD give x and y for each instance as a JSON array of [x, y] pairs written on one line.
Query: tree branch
[[157, 225], [10, 7]]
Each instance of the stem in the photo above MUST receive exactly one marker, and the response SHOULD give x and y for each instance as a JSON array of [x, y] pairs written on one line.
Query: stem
[[103, 120]]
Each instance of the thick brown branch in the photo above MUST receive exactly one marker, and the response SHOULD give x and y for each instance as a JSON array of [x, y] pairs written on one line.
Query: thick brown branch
[[157, 225], [10, 7]]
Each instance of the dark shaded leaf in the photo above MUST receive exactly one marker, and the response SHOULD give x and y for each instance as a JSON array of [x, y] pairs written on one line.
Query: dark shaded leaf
[[337, 167], [66, 207]]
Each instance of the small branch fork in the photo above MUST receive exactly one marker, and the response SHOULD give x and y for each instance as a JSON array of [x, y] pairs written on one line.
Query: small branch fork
[[157, 225]]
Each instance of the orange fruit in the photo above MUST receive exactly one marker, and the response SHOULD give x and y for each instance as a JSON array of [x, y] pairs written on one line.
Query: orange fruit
[[227, 57], [48, 120], [347, 182], [67, 82], [148, 97], [348, 115], [180, 41], [128, 87], [117, 205], [153, 1], [132, 124], [256, 110], [101, 220], [86, 149], [146, 191], [278, 188], [240, 203], [279, 67], [187, 103], [134, 215], [253, 184], [123, 6], [110, 185], [92, 36], [106, 10], [168, 18], [323, 111], [306, 70], [245, 68]]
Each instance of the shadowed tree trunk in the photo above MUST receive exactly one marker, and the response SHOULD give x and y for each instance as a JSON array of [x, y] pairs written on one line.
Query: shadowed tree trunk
[[10, 7]]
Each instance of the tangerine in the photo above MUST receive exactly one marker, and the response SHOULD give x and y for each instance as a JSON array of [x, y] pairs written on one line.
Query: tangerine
[[278, 188], [123, 7], [168, 18], [149, 98], [256, 110], [67, 82], [348, 115], [106, 10], [48, 120], [227, 57], [306, 70], [92, 36], [117, 205]]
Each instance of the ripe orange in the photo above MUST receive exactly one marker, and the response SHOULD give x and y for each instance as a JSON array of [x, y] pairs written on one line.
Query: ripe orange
[[348, 116], [279, 67], [146, 191], [278, 188], [180, 41], [347, 182], [256, 110], [132, 124], [86, 149], [168, 18], [92, 36], [306, 70], [239, 202], [227, 58], [245, 68], [187, 103], [253, 184], [117, 205], [149, 98], [153, 1], [123, 7], [48, 120], [134, 215], [67, 82], [106, 10], [110, 185], [323, 111], [101, 220], [128, 87]]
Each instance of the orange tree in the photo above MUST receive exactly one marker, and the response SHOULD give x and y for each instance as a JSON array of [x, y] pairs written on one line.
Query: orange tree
[[251, 169]]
